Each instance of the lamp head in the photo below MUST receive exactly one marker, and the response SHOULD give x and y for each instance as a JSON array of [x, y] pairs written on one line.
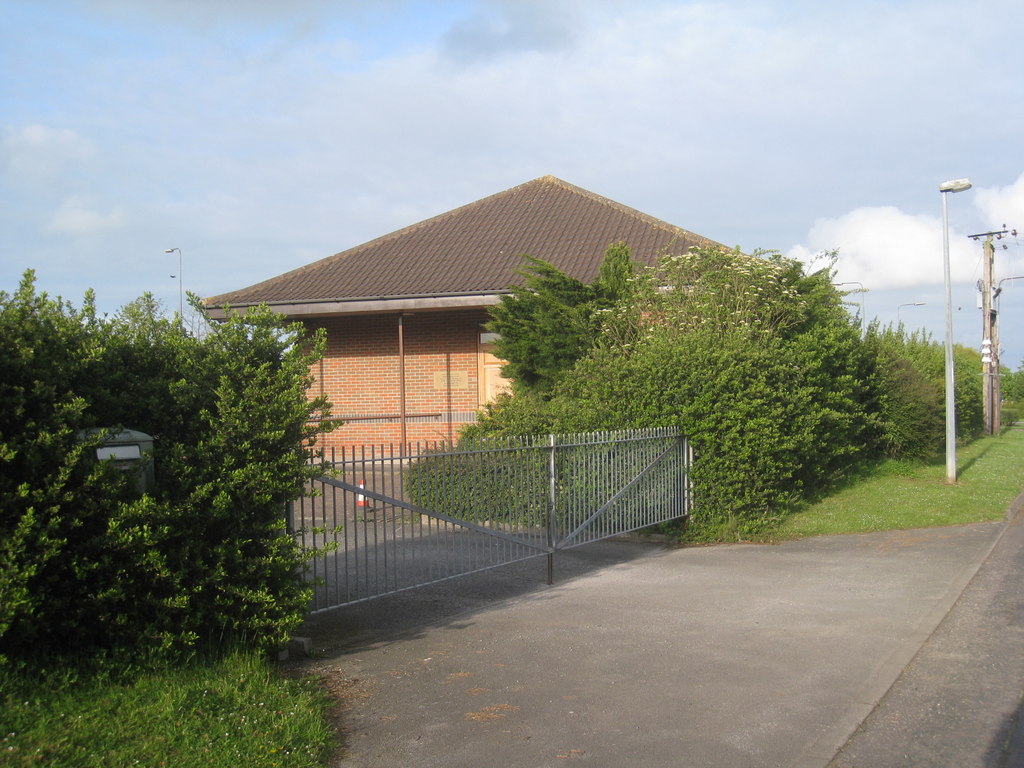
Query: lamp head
[[955, 185]]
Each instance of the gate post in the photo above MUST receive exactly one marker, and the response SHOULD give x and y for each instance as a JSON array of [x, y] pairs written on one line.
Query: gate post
[[552, 495]]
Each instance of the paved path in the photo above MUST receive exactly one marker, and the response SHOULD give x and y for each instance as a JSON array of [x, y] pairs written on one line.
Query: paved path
[[958, 703], [727, 656]]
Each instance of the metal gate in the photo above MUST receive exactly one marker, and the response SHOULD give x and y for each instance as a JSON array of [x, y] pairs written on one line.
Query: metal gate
[[383, 521]]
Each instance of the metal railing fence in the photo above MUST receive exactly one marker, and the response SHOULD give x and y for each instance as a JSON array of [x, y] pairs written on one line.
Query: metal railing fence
[[386, 519]]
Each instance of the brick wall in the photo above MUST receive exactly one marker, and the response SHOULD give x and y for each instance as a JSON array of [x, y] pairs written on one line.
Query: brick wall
[[360, 374]]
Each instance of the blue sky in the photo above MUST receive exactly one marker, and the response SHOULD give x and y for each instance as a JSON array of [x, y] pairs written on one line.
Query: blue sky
[[257, 136]]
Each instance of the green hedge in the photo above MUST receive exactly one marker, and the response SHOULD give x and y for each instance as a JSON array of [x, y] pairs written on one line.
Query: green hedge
[[911, 381], [761, 366], [89, 566], [507, 481], [484, 481]]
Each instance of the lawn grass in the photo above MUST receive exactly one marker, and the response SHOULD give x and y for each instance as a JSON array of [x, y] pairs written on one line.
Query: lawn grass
[[916, 495], [237, 711]]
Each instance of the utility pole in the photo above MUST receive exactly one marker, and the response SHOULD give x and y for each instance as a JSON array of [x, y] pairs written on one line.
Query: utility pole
[[989, 353], [992, 398]]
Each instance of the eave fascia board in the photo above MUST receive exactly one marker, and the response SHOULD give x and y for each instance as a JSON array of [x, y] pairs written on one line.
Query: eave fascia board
[[369, 306]]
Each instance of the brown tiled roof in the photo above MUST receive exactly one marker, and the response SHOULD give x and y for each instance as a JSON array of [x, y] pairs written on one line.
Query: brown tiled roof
[[476, 249]]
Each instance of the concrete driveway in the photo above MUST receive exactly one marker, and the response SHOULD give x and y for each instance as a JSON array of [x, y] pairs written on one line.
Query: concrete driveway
[[641, 655]]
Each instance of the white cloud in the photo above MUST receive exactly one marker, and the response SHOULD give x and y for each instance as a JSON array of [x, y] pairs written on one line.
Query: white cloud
[[1002, 206], [38, 153], [75, 217], [883, 247]]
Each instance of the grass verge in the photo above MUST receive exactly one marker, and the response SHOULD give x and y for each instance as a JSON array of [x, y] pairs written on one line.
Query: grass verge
[[914, 495], [237, 711]]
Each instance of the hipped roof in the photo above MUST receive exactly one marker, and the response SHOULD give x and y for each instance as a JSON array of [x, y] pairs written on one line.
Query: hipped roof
[[472, 251]]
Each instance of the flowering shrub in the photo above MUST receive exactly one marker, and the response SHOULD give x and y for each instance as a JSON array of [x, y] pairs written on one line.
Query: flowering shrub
[[756, 361]]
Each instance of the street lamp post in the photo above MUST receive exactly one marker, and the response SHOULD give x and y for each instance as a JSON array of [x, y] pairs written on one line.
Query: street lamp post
[[181, 291], [955, 185], [911, 304]]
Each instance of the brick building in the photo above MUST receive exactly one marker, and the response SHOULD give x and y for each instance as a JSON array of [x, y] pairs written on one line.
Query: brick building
[[408, 358]]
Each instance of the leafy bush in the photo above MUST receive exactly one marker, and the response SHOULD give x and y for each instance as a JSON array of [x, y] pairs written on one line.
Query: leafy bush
[[912, 382], [551, 321], [1012, 384], [472, 481], [911, 401], [746, 408], [967, 386], [204, 556], [584, 473], [1010, 414], [757, 362], [913, 409], [760, 364]]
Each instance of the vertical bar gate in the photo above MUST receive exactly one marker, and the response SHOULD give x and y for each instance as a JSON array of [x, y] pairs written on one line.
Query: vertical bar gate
[[384, 521]]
